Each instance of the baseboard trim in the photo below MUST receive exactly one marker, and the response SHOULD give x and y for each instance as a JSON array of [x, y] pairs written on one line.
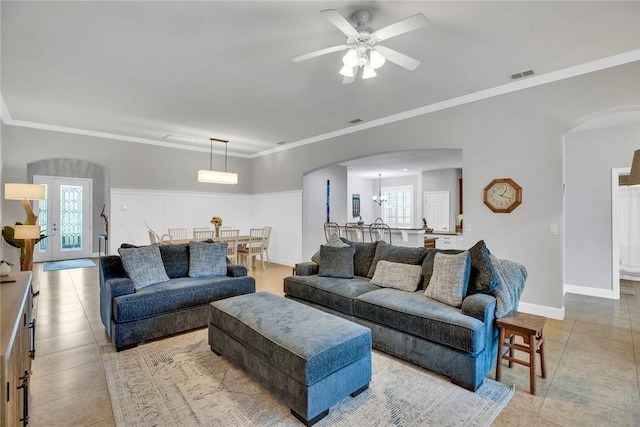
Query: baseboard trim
[[589, 291], [542, 310]]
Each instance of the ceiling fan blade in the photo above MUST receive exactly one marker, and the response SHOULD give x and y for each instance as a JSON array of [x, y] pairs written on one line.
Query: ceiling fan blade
[[320, 52], [411, 23], [339, 21], [398, 58]]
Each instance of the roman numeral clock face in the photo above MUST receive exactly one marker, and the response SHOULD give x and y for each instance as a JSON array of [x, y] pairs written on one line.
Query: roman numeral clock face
[[502, 195]]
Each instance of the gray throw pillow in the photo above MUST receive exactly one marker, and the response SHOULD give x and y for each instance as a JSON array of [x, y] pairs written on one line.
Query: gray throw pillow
[[207, 259], [175, 259], [334, 241], [143, 265], [362, 260], [336, 262], [427, 264], [405, 277], [404, 255], [483, 277], [448, 283]]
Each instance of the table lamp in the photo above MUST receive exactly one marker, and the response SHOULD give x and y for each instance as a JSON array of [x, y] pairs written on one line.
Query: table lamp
[[29, 231]]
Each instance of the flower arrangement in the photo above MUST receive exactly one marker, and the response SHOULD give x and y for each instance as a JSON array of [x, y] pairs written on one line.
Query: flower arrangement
[[217, 223]]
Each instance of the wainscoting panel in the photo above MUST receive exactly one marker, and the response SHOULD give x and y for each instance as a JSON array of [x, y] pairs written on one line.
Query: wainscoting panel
[[130, 208]]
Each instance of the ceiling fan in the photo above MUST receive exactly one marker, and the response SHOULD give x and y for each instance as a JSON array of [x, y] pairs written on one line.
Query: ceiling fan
[[363, 50]]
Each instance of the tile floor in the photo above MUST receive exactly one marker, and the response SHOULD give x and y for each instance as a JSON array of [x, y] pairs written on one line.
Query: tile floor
[[593, 358]]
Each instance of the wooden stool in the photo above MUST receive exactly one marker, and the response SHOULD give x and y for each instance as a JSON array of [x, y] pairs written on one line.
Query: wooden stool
[[530, 328]]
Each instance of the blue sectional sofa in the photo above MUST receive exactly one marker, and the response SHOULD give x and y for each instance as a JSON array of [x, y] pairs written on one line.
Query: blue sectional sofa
[[132, 314], [458, 339]]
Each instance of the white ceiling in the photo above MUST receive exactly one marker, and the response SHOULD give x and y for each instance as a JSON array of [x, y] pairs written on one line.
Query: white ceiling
[[224, 69]]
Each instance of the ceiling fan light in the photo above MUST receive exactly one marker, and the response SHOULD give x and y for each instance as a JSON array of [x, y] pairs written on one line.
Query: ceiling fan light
[[368, 72], [350, 59], [376, 59], [346, 71]]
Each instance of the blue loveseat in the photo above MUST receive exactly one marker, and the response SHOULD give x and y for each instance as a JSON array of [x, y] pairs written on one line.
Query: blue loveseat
[[458, 342], [131, 316]]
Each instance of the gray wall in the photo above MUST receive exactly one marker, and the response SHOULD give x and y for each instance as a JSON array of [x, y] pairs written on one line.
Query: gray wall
[[590, 156], [517, 135]]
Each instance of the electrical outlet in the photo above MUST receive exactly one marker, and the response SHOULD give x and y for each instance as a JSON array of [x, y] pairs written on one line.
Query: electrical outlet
[[467, 227], [553, 229]]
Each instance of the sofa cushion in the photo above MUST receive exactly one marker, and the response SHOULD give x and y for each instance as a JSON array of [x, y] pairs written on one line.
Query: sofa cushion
[[365, 252], [401, 254], [143, 265], [411, 312], [338, 294], [450, 278], [334, 241], [427, 264], [177, 294], [336, 262], [175, 259], [483, 278], [207, 259], [405, 277]]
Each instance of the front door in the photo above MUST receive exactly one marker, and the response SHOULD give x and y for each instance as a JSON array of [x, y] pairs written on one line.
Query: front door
[[65, 217]]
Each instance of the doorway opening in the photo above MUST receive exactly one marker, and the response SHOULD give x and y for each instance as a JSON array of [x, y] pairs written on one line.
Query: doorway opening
[[65, 216]]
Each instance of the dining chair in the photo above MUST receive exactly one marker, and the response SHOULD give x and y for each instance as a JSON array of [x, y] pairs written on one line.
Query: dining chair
[[198, 230], [230, 237], [380, 231], [265, 242], [354, 232], [202, 234], [331, 228], [178, 233], [253, 248]]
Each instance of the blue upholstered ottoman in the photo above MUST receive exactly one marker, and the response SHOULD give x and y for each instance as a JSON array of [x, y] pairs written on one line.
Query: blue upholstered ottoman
[[309, 359]]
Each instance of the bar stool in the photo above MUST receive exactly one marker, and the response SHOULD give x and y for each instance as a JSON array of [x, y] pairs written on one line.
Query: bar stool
[[530, 328]]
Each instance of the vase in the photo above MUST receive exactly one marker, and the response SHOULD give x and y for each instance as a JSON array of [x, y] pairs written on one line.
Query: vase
[[217, 231]]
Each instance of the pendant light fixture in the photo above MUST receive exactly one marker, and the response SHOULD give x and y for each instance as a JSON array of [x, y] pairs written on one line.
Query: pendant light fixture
[[379, 199], [217, 177]]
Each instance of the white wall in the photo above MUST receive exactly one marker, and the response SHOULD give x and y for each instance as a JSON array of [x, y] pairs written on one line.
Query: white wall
[[314, 205], [163, 210], [589, 157], [367, 188]]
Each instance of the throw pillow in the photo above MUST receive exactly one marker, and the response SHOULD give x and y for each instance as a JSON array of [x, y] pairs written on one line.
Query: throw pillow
[[336, 262], [401, 254], [512, 277], [427, 264], [483, 278], [207, 259], [175, 259], [396, 275], [143, 265], [362, 260], [448, 283], [334, 241]]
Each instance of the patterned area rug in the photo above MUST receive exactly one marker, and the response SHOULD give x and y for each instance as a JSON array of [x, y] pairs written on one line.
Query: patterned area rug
[[179, 381], [66, 265]]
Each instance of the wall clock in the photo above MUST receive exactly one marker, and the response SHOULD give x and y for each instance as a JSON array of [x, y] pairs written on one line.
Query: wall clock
[[502, 195]]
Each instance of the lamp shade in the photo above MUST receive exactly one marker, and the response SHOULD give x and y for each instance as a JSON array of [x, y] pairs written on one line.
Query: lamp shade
[[217, 177], [23, 191], [368, 72], [26, 232], [634, 175]]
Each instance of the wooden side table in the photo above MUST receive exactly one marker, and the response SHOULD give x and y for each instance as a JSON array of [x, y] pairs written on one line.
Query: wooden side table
[[530, 328]]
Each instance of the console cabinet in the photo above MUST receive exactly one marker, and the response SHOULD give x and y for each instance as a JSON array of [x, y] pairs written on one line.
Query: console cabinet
[[18, 341]]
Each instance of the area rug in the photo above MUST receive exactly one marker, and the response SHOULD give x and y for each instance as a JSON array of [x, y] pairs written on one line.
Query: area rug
[[180, 381], [66, 265]]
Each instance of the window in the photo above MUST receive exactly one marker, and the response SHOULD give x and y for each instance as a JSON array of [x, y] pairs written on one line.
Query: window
[[398, 209]]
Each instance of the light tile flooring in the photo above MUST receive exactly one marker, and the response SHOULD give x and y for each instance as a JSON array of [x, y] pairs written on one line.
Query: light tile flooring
[[593, 358]]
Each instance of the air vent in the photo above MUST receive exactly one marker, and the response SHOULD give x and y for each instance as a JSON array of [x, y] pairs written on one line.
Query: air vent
[[522, 74], [354, 121], [282, 142], [179, 138]]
